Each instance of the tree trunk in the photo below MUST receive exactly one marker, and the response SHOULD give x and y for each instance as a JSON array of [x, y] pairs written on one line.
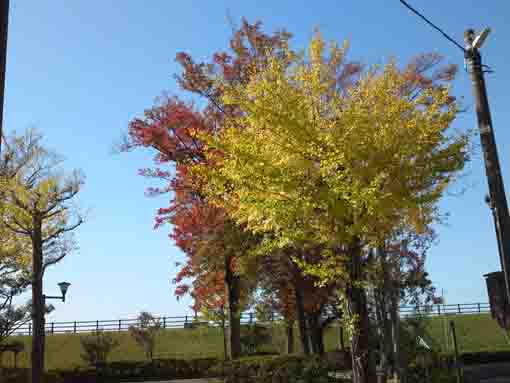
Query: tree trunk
[[38, 306], [316, 333], [363, 363], [384, 361], [225, 341], [233, 287], [399, 368], [303, 333], [290, 337], [385, 306], [341, 335]]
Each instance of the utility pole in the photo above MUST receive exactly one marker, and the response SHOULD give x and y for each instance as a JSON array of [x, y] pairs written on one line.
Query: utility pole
[[497, 198], [4, 24]]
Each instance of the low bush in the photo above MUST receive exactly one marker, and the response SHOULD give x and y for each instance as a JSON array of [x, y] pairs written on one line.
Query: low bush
[[274, 369], [97, 347], [254, 337], [119, 371]]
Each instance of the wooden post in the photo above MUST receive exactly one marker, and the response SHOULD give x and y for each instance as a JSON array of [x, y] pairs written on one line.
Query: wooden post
[[251, 318], [438, 309], [120, 324], [457, 363], [458, 307], [97, 325], [164, 322], [53, 327], [75, 327], [29, 329], [479, 309]]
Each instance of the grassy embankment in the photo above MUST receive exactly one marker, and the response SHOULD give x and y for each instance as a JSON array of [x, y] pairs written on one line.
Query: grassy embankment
[[474, 333]]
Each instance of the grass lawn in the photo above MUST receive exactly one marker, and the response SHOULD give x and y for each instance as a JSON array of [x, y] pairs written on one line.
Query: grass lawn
[[474, 333]]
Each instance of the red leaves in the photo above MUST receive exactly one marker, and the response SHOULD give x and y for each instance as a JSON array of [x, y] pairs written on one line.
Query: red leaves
[[171, 127]]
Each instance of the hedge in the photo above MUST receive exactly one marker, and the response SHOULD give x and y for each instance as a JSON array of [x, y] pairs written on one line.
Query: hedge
[[118, 371], [274, 369]]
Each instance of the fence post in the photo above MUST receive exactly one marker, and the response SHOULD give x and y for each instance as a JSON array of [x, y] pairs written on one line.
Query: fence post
[[97, 325], [53, 327], [479, 309], [75, 327], [459, 307], [164, 322], [120, 324], [29, 329], [272, 316], [251, 318], [456, 350], [438, 309], [185, 320]]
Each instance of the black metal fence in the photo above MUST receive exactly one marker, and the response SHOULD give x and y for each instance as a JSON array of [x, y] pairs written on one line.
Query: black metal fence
[[246, 318]]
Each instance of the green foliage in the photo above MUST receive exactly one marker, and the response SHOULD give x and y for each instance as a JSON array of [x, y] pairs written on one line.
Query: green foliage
[[475, 333], [118, 371], [289, 368], [145, 333], [253, 337], [96, 348]]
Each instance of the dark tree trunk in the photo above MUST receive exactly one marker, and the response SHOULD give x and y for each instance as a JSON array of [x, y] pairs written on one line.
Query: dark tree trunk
[[342, 342], [233, 286], [225, 340], [363, 362], [384, 296], [303, 332], [290, 337], [38, 306], [316, 333]]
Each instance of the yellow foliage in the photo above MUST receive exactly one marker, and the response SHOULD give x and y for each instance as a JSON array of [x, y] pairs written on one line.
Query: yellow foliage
[[305, 163]]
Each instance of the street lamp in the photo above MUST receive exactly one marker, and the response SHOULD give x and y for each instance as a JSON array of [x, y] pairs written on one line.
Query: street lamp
[[63, 288]]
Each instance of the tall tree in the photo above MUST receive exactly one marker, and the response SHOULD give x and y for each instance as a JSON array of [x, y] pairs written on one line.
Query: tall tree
[[39, 205], [173, 129], [342, 169]]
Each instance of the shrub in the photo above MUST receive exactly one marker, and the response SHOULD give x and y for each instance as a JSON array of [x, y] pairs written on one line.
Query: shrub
[[15, 346], [288, 368], [145, 333], [96, 348], [253, 337], [157, 369]]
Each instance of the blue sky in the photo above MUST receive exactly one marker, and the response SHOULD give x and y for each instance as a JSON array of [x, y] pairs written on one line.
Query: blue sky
[[79, 71]]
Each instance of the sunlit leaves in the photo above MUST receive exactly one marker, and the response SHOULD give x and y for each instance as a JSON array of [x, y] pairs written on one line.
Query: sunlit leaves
[[302, 163]]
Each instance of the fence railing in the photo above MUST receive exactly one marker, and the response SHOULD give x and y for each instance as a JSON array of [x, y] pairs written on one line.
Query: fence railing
[[187, 321]]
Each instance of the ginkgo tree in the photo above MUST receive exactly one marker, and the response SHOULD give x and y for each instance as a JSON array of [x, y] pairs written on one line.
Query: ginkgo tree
[[38, 208], [306, 162]]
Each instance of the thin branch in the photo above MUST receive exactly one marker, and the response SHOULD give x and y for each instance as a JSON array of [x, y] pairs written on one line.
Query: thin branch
[[63, 230]]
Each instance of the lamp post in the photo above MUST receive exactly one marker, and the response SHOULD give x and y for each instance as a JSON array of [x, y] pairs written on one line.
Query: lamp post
[[38, 311], [63, 289]]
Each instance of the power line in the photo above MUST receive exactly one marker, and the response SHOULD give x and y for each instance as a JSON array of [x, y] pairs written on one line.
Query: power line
[[433, 25]]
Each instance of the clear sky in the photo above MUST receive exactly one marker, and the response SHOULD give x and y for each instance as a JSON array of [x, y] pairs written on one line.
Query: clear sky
[[79, 71]]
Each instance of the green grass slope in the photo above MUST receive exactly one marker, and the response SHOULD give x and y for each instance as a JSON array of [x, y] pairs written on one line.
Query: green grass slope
[[474, 333]]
